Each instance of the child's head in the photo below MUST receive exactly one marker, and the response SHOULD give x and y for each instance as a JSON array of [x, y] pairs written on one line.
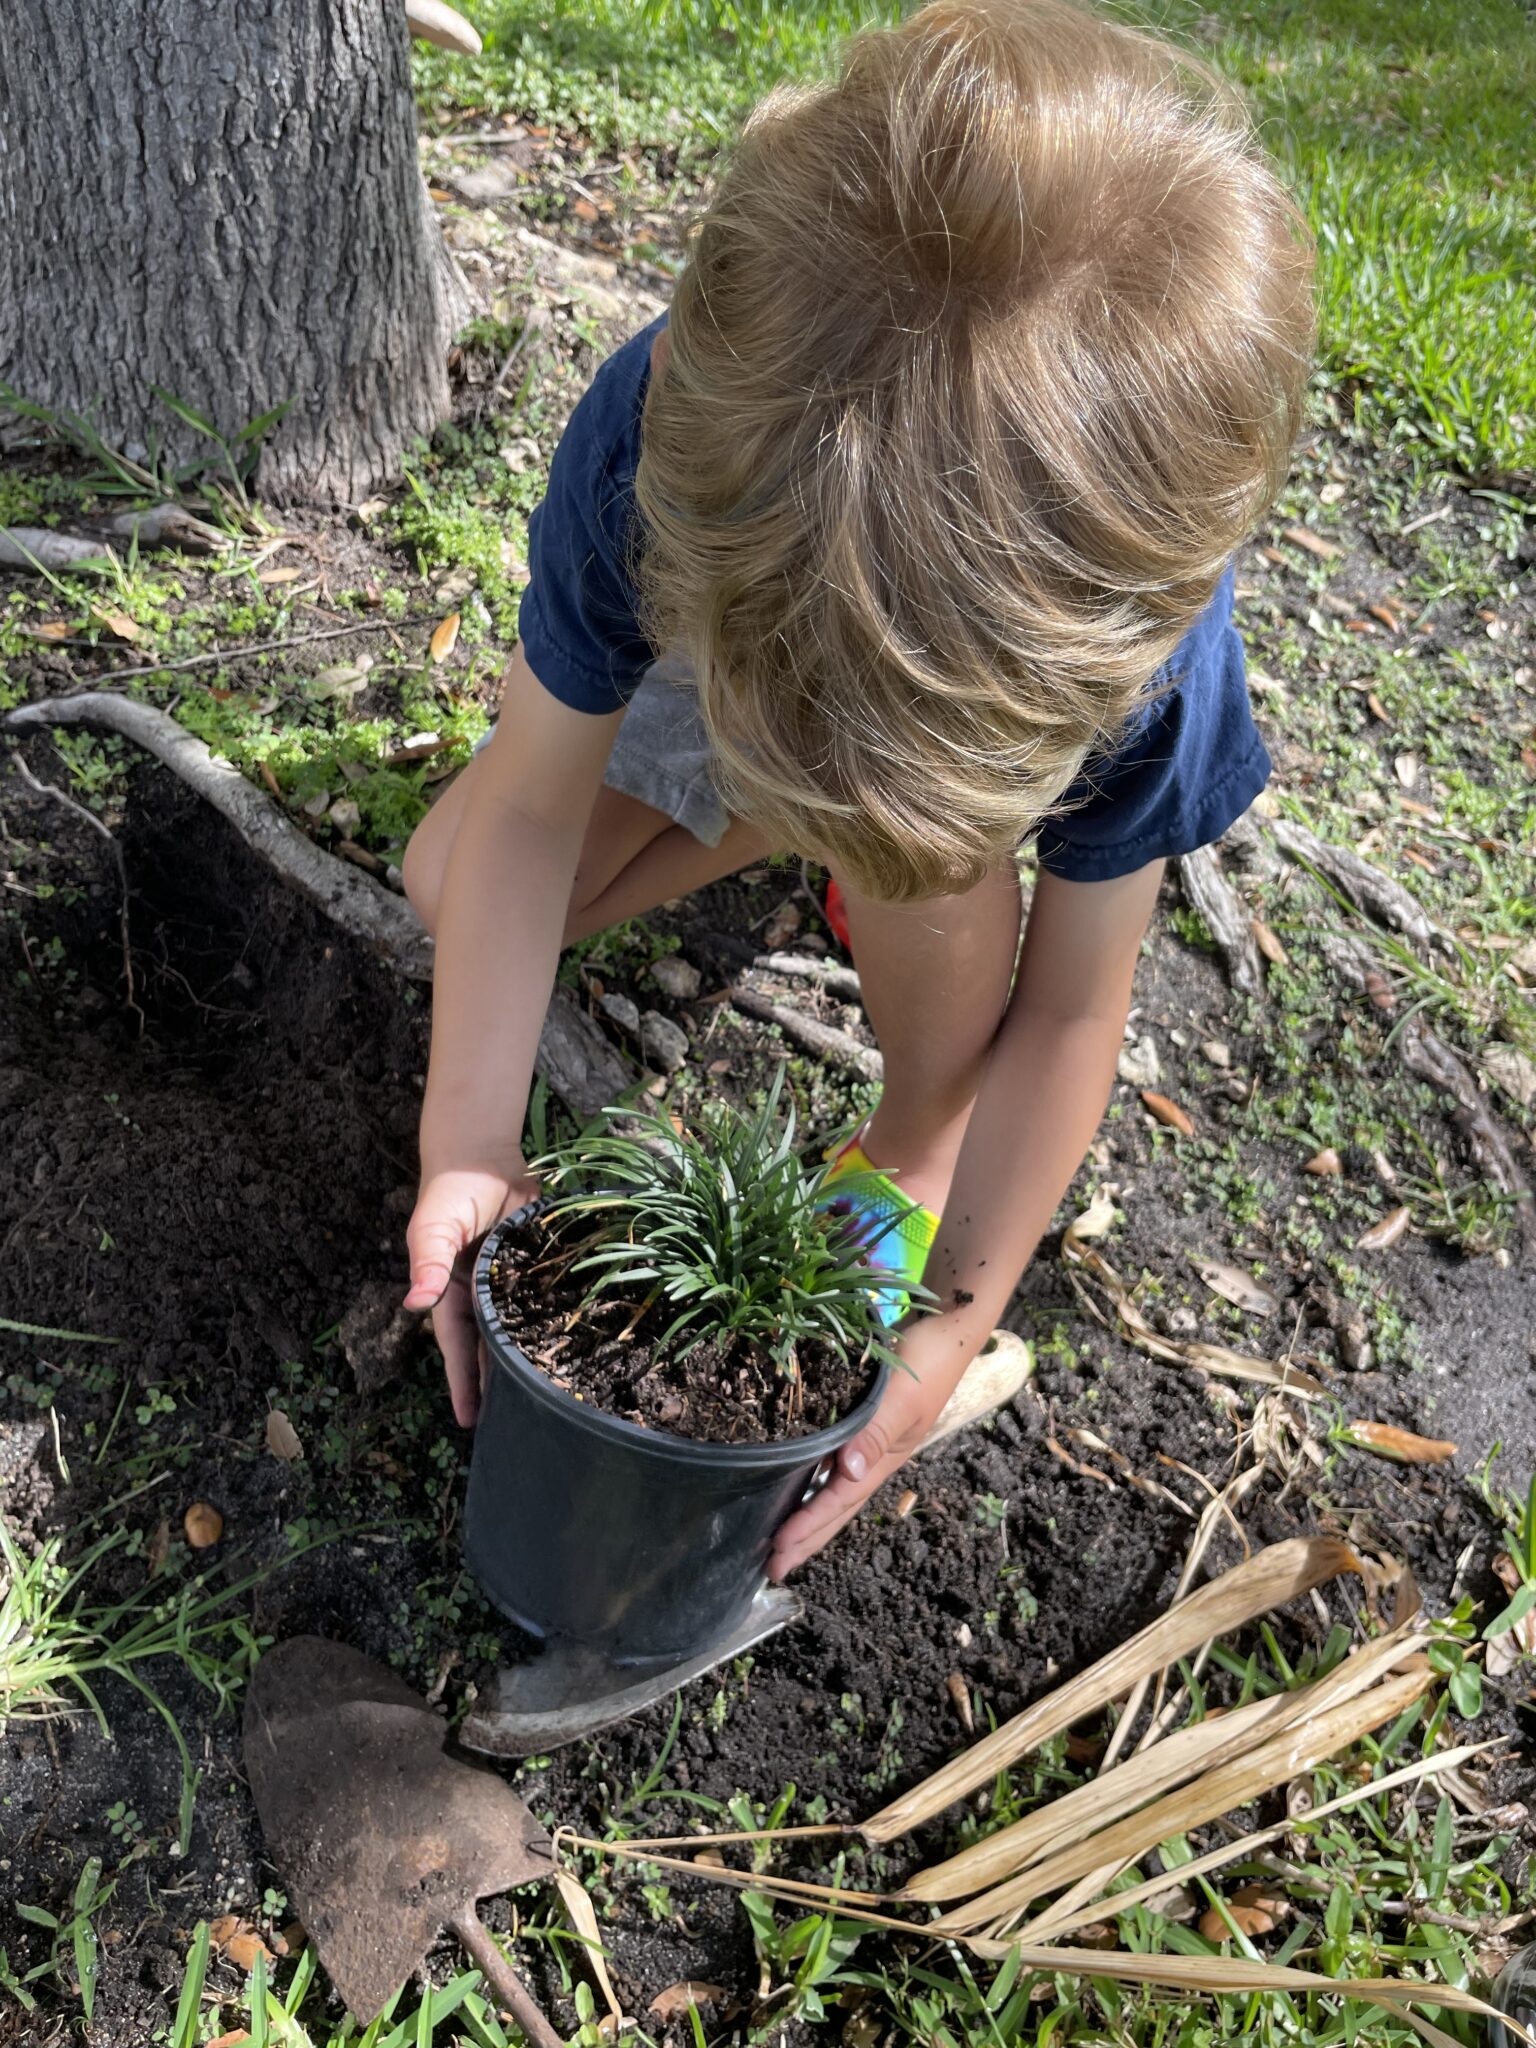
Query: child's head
[[985, 358]]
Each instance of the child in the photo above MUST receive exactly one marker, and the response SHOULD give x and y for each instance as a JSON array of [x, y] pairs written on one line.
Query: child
[[984, 360]]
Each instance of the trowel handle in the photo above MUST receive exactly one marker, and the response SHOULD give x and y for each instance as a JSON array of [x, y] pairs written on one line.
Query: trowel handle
[[504, 1981]]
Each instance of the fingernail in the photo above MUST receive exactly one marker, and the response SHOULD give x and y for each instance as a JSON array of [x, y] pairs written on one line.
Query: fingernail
[[855, 1464]]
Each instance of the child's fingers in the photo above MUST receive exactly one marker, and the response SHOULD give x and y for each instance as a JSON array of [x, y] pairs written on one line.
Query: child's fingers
[[434, 1242], [459, 1342]]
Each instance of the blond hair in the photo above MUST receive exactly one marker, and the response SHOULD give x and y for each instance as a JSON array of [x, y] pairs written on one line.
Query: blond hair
[[985, 357]]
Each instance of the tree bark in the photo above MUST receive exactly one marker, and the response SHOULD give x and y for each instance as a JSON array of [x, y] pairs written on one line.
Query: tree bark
[[223, 200]]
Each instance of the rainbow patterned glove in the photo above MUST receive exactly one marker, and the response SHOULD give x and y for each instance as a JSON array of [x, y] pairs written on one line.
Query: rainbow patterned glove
[[897, 1234]]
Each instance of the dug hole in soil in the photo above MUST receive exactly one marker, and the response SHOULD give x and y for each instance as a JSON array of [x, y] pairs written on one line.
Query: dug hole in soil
[[225, 1192]]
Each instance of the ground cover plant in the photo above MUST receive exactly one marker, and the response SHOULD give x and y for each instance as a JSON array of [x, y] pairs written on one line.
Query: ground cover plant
[[1311, 1162], [718, 1254]]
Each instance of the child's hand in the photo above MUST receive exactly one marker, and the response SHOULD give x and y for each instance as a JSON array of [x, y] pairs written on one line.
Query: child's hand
[[908, 1410], [453, 1212]]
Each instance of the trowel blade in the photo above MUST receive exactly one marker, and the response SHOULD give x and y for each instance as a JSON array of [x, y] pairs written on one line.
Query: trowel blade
[[570, 1691]]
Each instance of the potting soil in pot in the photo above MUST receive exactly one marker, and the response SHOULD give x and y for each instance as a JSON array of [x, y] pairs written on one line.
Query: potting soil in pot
[[609, 1352]]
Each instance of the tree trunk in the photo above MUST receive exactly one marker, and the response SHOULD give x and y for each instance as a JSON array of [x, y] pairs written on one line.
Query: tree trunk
[[222, 199]]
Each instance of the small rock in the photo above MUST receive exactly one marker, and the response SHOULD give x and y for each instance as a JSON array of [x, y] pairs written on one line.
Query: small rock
[[1178, 1321], [520, 456], [496, 178], [1217, 1051], [345, 815], [317, 805], [1138, 1063], [676, 977], [1513, 1071], [663, 1041], [623, 1012]]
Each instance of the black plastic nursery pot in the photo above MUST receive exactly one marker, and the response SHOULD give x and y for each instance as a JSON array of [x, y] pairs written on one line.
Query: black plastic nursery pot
[[588, 1529]]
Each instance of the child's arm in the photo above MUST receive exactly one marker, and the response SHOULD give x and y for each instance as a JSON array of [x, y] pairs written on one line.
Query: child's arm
[[506, 891], [1047, 1080]]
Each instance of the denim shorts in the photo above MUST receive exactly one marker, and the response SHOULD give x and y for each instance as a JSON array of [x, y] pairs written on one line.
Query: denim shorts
[[661, 756]]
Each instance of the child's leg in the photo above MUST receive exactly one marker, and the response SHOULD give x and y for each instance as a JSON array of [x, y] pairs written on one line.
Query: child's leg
[[935, 978], [634, 858]]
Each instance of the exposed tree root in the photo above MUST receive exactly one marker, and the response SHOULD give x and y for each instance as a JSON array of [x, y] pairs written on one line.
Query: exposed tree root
[[828, 974], [839, 1048], [1365, 886], [1427, 1056], [43, 551], [1231, 922], [581, 1066]]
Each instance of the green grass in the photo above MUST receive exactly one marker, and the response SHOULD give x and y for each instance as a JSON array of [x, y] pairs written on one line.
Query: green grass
[[1402, 126]]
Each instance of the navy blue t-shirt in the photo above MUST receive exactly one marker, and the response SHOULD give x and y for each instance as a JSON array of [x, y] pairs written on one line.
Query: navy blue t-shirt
[[1190, 765]]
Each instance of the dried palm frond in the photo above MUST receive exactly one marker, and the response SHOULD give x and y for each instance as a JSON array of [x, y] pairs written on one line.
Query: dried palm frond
[[1266, 1581]]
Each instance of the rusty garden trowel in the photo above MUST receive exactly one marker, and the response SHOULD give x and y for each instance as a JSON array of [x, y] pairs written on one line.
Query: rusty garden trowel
[[382, 1839]]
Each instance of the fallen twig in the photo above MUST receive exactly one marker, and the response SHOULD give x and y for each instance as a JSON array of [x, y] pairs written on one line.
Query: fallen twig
[[825, 1040], [235, 654], [1231, 922], [90, 818]]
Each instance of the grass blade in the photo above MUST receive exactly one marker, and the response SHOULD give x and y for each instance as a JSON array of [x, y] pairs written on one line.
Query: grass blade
[[189, 2006]]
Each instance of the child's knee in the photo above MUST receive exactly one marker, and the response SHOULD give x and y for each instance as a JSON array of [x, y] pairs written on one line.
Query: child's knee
[[421, 872]]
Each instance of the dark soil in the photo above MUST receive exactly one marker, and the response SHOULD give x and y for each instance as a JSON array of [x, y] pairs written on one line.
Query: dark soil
[[613, 1353], [222, 1187]]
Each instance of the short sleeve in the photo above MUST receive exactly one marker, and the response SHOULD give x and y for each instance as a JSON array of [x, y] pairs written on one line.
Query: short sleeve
[[1191, 765], [578, 620]]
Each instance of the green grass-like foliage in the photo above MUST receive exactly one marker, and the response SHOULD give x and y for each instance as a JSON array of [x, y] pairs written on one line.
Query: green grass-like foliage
[[725, 1224]]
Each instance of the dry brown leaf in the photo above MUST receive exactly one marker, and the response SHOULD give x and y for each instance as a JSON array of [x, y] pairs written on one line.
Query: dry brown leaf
[[1377, 709], [158, 1549], [782, 926], [237, 1939], [233, 2040], [118, 622], [1385, 1232], [50, 629], [1249, 1920], [445, 638], [585, 210], [1265, 1898], [282, 1437], [907, 1503], [677, 1998], [960, 1693], [203, 1524], [279, 575], [1304, 537], [1099, 1216], [1168, 1112], [1267, 943], [1238, 1287], [1325, 1162], [1276, 1574], [1400, 1445], [584, 1920]]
